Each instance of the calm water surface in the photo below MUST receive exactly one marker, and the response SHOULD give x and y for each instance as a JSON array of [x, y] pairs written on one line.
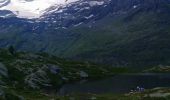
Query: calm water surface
[[118, 84]]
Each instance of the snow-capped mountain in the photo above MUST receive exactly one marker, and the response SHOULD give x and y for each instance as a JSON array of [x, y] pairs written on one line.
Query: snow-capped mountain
[[40, 15], [30, 8], [75, 14], [98, 30], [56, 13], [44, 15]]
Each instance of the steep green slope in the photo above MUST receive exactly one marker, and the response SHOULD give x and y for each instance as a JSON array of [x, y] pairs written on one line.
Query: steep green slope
[[140, 38]]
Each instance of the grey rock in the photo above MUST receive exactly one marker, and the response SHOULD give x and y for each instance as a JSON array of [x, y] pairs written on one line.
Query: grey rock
[[54, 69], [3, 70], [83, 74]]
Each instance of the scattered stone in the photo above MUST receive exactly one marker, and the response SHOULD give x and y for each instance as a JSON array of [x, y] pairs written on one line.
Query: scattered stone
[[54, 69], [64, 78], [159, 94], [93, 98], [83, 74]]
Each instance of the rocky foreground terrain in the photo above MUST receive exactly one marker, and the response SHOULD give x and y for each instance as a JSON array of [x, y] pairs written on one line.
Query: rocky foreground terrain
[[27, 75]]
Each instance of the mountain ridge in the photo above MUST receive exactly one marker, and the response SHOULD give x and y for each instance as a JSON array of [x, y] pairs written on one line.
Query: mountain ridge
[[113, 33]]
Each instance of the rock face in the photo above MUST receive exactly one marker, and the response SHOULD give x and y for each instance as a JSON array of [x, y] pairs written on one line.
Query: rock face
[[38, 78], [3, 70], [6, 14]]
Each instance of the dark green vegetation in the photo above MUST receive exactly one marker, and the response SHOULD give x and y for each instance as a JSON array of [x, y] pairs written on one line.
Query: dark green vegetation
[[138, 39], [23, 75]]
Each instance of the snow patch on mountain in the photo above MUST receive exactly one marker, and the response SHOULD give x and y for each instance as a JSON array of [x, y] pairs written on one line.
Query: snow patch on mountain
[[30, 8], [94, 3]]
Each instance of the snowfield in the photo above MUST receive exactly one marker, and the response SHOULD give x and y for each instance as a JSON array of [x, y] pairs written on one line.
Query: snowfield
[[30, 8]]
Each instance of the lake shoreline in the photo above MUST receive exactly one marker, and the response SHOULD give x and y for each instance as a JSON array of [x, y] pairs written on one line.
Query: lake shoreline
[[120, 82]]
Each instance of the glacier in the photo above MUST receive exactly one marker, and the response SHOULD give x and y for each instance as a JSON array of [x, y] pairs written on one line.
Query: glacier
[[31, 8]]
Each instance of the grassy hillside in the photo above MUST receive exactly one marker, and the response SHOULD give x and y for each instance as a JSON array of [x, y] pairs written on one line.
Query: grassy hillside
[[137, 39]]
